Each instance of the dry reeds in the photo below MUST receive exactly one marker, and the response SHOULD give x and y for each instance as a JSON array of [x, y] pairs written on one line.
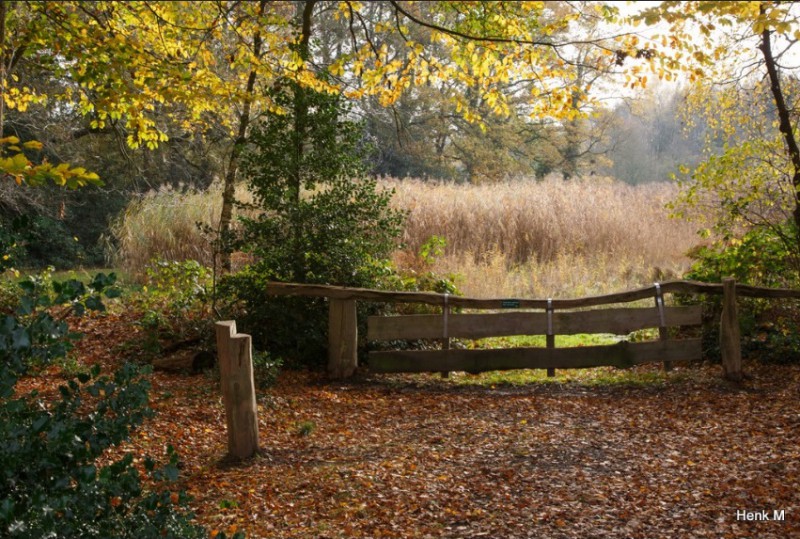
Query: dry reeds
[[552, 237], [524, 238], [163, 224]]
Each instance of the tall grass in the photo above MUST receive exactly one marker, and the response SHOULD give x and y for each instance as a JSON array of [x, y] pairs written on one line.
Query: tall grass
[[523, 238], [163, 224], [546, 219], [547, 238]]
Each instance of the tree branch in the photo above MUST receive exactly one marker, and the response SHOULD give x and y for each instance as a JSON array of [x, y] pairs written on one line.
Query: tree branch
[[785, 121], [463, 35]]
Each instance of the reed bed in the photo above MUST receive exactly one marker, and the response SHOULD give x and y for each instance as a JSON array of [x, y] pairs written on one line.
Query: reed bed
[[565, 276], [165, 224], [550, 237], [544, 219], [524, 238]]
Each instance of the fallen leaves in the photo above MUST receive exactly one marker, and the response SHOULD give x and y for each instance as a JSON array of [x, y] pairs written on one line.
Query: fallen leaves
[[421, 457], [448, 462]]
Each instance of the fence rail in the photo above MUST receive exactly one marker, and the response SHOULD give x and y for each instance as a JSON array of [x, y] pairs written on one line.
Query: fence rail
[[622, 355], [504, 324], [235, 355], [342, 360], [433, 298]]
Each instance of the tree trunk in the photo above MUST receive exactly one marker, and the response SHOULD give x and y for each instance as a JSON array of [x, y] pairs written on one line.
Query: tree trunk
[[305, 10], [3, 10], [785, 122], [229, 188]]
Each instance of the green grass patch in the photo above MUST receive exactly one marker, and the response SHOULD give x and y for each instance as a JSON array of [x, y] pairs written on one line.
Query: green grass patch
[[84, 275], [562, 341], [643, 376]]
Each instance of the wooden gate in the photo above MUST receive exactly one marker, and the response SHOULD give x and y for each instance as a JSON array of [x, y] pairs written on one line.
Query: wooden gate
[[616, 321], [557, 317], [515, 317]]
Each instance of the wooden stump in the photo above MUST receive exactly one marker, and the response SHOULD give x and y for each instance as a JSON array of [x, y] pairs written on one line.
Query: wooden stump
[[342, 338], [729, 333], [238, 389]]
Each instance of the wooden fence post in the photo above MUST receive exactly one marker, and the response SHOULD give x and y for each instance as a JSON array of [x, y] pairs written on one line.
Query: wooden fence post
[[729, 333], [663, 332], [342, 338], [445, 331], [550, 338], [235, 354]]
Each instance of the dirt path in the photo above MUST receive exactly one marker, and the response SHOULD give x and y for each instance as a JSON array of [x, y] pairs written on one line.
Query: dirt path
[[418, 457]]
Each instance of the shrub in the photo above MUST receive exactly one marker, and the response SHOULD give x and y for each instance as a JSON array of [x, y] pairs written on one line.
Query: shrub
[[291, 328], [40, 240], [53, 485], [266, 369], [175, 305], [419, 276], [51, 480], [48, 242], [761, 258], [321, 220]]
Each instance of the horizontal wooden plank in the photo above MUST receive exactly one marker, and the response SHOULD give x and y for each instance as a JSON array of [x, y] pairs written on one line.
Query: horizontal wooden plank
[[621, 355], [761, 292], [620, 321], [432, 298]]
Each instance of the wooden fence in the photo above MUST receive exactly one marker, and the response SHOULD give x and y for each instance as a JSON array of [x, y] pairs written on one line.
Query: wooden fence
[[238, 389], [557, 317], [343, 336], [476, 326]]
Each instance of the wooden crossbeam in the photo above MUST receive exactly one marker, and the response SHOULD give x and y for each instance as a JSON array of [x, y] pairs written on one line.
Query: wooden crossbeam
[[621, 355], [620, 321]]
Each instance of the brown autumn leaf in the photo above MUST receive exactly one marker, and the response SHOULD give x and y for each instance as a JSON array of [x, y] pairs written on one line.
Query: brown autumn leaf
[[421, 457]]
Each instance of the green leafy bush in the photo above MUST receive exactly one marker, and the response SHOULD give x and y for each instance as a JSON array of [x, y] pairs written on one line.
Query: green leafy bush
[[321, 221], [180, 285], [292, 328], [175, 306], [421, 278], [48, 242], [53, 482], [762, 257], [53, 485], [35, 331], [266, 369]]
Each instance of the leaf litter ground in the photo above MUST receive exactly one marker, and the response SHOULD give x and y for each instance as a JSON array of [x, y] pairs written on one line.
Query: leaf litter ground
[[418, 457]]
